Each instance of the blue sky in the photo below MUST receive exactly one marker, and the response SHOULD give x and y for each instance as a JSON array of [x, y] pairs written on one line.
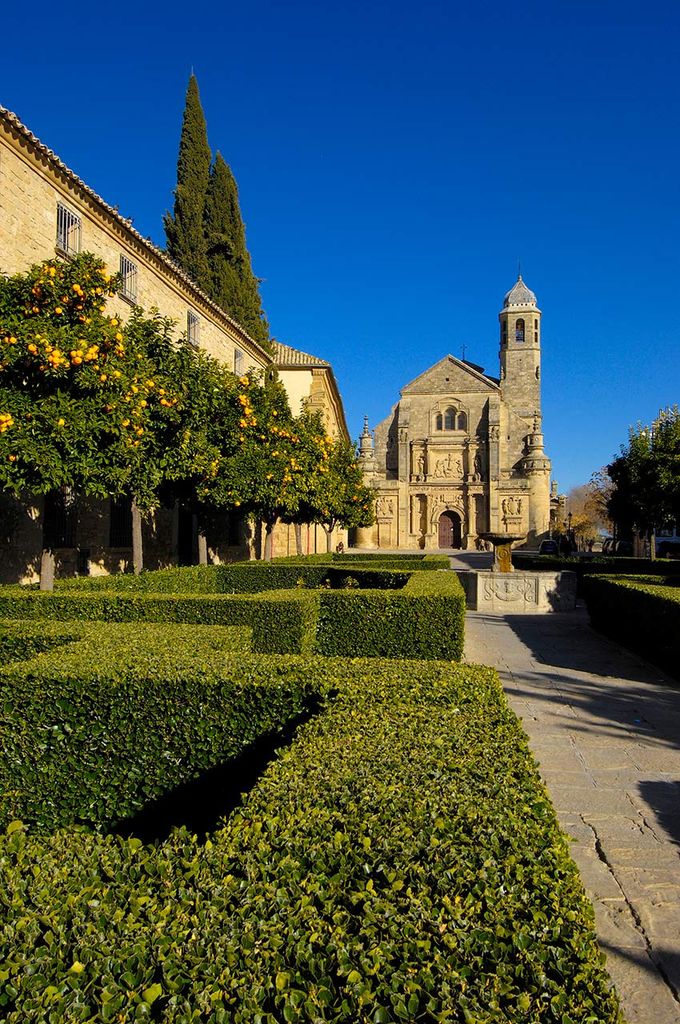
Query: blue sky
[[394, 161]]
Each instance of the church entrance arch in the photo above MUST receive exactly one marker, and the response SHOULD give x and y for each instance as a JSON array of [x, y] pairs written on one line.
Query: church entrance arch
[[450, 531]]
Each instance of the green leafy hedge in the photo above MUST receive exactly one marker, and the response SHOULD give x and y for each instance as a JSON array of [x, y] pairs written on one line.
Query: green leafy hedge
[[93, 731], [239, 578], [282, 622], [424, 620], [400, 861], [595, 566], [368, 561], [21, 640], [640, 612]]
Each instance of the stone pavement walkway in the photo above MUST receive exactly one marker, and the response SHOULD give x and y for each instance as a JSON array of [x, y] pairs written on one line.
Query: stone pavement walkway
[[605, 728]]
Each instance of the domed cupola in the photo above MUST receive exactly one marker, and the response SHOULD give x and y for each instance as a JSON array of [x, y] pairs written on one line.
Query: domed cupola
[[519, 295], [520, 349]]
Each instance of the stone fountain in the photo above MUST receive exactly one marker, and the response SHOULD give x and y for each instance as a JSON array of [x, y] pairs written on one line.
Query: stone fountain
[[502, 549], [518, 591]]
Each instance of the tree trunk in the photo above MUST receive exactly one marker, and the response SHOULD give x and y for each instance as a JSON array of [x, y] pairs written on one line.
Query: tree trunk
[[268, 538], [297, 527], [137, 549], [328, 530], [47, 569], [202, 546]]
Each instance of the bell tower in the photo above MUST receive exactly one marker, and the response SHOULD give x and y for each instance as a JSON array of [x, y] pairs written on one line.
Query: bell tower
[[520, 350]]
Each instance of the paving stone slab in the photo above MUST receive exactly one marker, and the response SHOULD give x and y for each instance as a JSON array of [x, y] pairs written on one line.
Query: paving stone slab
[[604, 727]]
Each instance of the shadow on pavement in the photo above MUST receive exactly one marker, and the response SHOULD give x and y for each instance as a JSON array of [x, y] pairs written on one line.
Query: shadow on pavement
[[602, 688], [567, 640], [664, 799], [662, 961]]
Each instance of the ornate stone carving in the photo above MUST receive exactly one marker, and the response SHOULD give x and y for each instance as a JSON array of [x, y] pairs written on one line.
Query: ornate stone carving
[[509, 588], [448, 468], [494, 432], [512, 506], [384, 507]]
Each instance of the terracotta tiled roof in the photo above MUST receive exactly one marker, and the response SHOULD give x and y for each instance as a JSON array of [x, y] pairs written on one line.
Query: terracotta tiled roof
[[14, 124], [285, 355]]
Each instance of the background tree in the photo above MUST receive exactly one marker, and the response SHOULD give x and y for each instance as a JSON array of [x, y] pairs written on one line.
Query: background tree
[[232, 282], [199, 443], [184, 228], [267, 475], [646, 477], [337, 495], [588, 517]]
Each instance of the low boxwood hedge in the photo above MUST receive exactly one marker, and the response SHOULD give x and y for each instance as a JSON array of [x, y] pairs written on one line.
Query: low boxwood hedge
[[640, 612], [239, 578], [282, 622], [597, 565], [20, 640], [424, 620], [400, 861], [94, 730], [364, 560], [386, 613]]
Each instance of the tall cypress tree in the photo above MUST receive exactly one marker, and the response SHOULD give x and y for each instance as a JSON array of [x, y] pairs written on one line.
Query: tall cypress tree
[[233, 284], [184, 227]]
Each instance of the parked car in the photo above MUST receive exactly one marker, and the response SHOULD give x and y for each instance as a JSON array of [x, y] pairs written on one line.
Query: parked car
[[548, 547], [624, 548]]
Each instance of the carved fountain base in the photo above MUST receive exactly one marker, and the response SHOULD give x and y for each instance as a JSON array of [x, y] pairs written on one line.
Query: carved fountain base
[[506, 590]]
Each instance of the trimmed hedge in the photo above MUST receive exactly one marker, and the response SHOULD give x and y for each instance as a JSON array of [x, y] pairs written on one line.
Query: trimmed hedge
[[424, 620], [21, 640], [93, 731], [400, 861], [367, 561], [282, 622], [240, 578], [642, 613], [597, 565]]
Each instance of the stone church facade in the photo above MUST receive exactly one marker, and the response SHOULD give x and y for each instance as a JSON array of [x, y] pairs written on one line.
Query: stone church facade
[[461, 453]]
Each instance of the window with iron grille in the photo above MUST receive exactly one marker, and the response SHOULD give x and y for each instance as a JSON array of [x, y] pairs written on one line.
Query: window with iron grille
[[68, 230], [120, 523], [238, 360], [193, 327], [128, 279], [60, 517]]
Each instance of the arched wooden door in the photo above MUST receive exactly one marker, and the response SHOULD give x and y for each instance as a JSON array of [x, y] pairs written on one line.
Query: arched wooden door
[[450, 534]]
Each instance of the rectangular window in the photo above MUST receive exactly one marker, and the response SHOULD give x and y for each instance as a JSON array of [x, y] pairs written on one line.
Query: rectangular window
[[120, 523], [68, 230], [128, 279], [193, 327], [238, 361]]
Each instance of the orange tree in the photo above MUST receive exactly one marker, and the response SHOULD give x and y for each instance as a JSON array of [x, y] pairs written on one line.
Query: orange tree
[[337, 494], [267, 474], [80, 397], [198, 442]]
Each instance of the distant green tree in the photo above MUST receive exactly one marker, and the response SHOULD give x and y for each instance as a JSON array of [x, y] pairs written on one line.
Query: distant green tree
[[646, 476], [184, 228], [232, 283]]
